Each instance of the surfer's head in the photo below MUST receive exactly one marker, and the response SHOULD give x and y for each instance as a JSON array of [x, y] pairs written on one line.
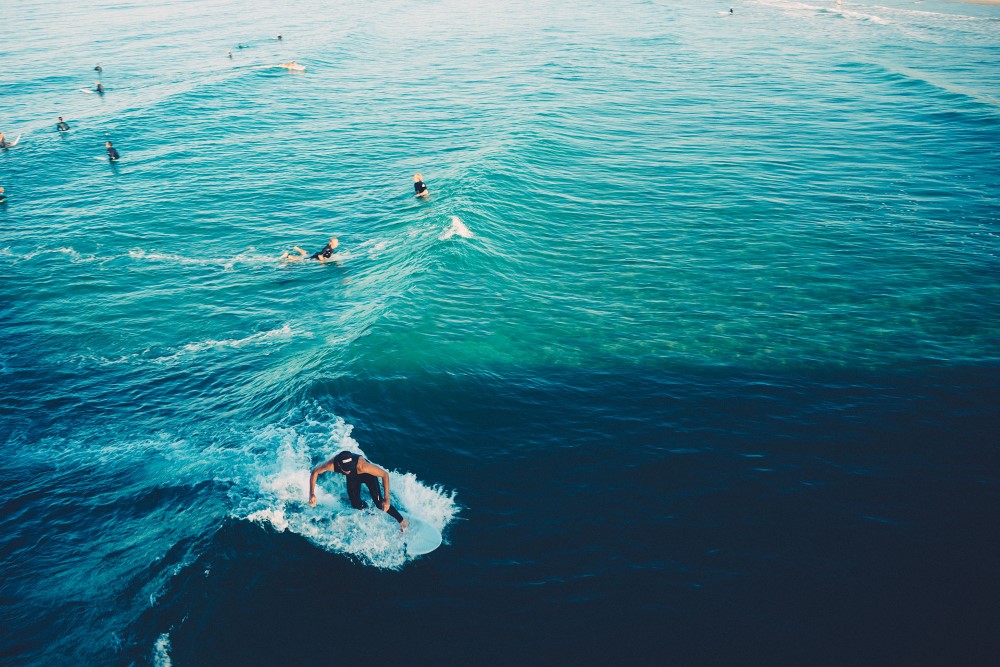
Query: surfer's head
[[345, 462]]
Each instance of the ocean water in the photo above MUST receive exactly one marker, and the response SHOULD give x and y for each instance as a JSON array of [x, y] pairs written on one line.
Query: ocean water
[[692, 353]]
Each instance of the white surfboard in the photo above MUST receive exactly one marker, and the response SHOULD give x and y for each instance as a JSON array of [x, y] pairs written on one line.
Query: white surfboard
[[420, 538], [11, 144]]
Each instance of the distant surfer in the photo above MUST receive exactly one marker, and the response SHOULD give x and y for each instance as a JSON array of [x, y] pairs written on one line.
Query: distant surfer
[[98, 69], [112, 152], [419, 187], [61, 125], [3, 140], [99, 88], [324, 255], [3, 197], [279, 38], [230, 54], [293, 66], [358, 472]]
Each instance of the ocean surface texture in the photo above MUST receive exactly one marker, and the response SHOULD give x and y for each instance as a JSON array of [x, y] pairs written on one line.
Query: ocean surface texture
[[691, 355]]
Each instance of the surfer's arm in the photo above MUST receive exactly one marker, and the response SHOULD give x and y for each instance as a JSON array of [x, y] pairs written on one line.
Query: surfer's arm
[[316, 472], [372, 469]]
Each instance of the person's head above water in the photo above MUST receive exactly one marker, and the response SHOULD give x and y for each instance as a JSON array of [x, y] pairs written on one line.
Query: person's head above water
[[417, 178], [333, 242], [345, 462]]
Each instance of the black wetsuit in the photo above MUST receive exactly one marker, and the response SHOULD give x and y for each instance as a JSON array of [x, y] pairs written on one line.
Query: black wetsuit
[[325, 253], [113, 153], [349, 462], [62, 126], [419, 188]]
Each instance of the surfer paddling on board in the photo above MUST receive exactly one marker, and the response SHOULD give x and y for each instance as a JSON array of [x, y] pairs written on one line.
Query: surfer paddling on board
[[358, 472], [419, 187], [324, 255]]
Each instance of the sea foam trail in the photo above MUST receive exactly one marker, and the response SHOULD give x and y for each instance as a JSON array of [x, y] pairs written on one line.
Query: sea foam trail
[[276, 490]]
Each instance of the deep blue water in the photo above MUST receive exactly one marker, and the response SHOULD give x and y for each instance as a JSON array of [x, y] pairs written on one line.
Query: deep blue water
[[692, 354]]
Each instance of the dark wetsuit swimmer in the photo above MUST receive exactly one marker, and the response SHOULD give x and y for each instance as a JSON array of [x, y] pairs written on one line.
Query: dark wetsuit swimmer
[[347, 463], [358, 472], [325, 253], [419, 187], [62, 126], [112, 152]]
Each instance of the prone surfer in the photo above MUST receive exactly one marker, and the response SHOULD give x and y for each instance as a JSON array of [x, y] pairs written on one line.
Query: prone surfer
[[358, 472], [324, 255], [61, 125], [419, 187], [293, 66]]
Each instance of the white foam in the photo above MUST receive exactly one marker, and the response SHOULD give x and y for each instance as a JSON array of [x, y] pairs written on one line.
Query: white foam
[[72, 254], [456, 228], [161, 651], [227, 263], [284, 333]]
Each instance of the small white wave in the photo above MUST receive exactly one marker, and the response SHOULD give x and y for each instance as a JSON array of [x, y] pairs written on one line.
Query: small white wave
[[72, 254], [456, 228], [161, 651], [166, 257], [249, 257], [283, 333], [836, 10]]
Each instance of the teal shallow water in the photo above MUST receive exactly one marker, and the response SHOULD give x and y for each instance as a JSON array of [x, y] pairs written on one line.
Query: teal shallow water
[[691, 235]]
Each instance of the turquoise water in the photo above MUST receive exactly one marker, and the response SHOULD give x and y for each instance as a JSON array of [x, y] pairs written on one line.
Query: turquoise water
[[657, 232]]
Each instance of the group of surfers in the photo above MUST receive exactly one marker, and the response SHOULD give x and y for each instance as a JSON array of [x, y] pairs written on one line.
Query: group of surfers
[[354, 467]]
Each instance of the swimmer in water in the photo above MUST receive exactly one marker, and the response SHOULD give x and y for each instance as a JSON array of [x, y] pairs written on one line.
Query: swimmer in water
[[293, 66], [419, 187], [98, 68], [230, 54], [3, 197], [61, 125], [112, 151], [279, 38], [3, 140], [324, 255]]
